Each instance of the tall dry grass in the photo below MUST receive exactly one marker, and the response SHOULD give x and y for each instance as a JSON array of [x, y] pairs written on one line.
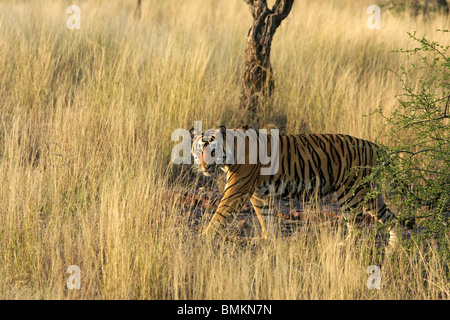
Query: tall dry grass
[[85, 125]]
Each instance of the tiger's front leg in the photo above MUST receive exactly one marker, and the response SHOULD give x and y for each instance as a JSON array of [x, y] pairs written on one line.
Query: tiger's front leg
[[234, 199], [262, 210]]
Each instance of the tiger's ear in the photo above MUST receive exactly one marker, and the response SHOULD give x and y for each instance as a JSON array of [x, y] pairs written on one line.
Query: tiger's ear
[[223, 131], [245, 127], [194, 133]]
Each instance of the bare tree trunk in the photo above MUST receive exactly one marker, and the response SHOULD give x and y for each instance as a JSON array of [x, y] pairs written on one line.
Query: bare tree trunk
[[258, 78]]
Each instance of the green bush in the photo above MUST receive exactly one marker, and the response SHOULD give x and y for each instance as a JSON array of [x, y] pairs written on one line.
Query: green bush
[[414, 169], [416, 6]]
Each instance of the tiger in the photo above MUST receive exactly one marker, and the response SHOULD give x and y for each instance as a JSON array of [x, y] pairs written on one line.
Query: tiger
[[308, 164]]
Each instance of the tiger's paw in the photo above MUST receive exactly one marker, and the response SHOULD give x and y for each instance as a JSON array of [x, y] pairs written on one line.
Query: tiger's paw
[[344, 242], [208, 233], [205, 235]]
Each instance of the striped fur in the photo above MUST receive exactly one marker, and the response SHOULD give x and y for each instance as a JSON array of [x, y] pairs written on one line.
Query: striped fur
[[308, 164]]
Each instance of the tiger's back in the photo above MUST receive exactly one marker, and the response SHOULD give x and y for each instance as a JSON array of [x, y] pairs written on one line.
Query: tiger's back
[[320, 163]]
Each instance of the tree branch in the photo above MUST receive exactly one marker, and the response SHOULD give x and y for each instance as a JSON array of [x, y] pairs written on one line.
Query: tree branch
[[281, 9], [258, 8], [258, 76]]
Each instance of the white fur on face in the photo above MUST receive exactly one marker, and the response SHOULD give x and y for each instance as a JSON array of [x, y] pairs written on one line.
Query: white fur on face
[[198, 150], [220, 157]]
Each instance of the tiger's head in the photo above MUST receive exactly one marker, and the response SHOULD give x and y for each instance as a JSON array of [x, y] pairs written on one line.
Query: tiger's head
[[208, 149]]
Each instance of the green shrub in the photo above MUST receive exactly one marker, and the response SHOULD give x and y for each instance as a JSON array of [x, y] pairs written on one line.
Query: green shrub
[[414, 170], [417, 6]]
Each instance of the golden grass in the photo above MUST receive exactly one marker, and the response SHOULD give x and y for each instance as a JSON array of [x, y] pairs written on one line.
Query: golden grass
[[85, 125]]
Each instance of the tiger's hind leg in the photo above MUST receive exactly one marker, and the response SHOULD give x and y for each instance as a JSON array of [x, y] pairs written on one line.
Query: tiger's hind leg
[[381, 212], [350, 203], [353, 220], [353, 203], [378, 209]]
